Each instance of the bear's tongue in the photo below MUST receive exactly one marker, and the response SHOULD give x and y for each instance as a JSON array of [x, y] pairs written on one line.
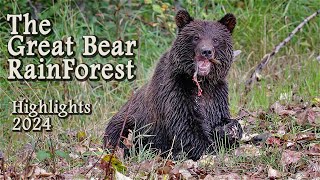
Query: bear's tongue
[[203, 67]]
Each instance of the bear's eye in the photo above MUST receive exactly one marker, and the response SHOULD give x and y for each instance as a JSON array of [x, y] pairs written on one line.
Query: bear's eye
[[215, 41], [196, 38]]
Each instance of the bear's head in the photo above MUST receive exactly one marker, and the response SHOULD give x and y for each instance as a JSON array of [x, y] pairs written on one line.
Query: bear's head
[[203, 48]]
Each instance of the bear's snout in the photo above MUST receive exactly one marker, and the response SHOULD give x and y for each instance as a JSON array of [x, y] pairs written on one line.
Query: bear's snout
[[207, 52]]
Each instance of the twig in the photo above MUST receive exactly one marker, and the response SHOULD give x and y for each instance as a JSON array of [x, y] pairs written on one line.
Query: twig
[[2, 170], [53, 153], [30, 155], [35, 11], [265, 60]]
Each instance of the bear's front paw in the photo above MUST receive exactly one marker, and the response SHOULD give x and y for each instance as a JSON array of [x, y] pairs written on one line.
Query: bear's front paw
[[227, 135], [233, 130]]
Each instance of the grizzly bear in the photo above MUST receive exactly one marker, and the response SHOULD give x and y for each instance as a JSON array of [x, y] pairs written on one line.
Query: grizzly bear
[[184, 107]]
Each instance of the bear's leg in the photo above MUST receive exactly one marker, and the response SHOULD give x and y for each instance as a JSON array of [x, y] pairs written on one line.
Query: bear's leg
[[192, 143], [113, 131]]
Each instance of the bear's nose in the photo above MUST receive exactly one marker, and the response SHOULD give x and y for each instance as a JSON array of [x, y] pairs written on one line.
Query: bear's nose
[[206, 52]]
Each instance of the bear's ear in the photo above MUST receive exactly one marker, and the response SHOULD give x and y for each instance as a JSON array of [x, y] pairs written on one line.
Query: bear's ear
[[183, 18], [229, 20]]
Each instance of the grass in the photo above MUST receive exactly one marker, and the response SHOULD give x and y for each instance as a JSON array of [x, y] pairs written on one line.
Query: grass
[[261, 25]]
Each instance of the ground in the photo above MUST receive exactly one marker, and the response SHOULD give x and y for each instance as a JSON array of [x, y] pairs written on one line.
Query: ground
[[281, 112]]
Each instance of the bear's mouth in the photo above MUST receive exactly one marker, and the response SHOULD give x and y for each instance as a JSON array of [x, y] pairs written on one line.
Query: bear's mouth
[[203, 65]]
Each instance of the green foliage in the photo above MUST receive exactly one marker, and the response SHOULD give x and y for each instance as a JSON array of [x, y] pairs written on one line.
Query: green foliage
[[42, 155]]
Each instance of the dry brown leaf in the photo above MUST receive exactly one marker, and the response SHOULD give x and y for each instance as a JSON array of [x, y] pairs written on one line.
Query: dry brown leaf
[[299, 176], [305, 137], [29, 171], [209, 177], [164, 170], [37, 172], [174, 173], [120, 176], [310, 116], [186, 174], [315, 148], [274, 141], [169, 163], [314, 166], [282, 130], [231, 176], [281, 110], [119, 153], [188, 164], [79, 149], [74, 155], [272, 173], [290, 157], [147, 165], [277, 107]]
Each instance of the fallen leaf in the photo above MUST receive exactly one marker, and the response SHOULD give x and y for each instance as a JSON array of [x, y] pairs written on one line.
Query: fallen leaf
[[119, 153], [315, 148], [311, 117], [301, 118], [305, 137], [41, 173], [188, 164], [29, 171], [282, 130], [79, 149], [290, 157], [236, 53], [114, 161], [317, 99], [74, 156], [276, 107], [147, 165], [300, 176], [164, 170], [281, 110], [274, 141], [230, 176], [119, 176], [209, 177], [174, 173], [186, 174], [314, 166], [81, 135], [272, 173]]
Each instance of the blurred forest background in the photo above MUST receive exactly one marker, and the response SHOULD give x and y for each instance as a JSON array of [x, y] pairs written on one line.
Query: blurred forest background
[[283, 107]]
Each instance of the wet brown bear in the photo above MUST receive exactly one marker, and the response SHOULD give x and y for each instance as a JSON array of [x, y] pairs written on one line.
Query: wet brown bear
[[185, 104]]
